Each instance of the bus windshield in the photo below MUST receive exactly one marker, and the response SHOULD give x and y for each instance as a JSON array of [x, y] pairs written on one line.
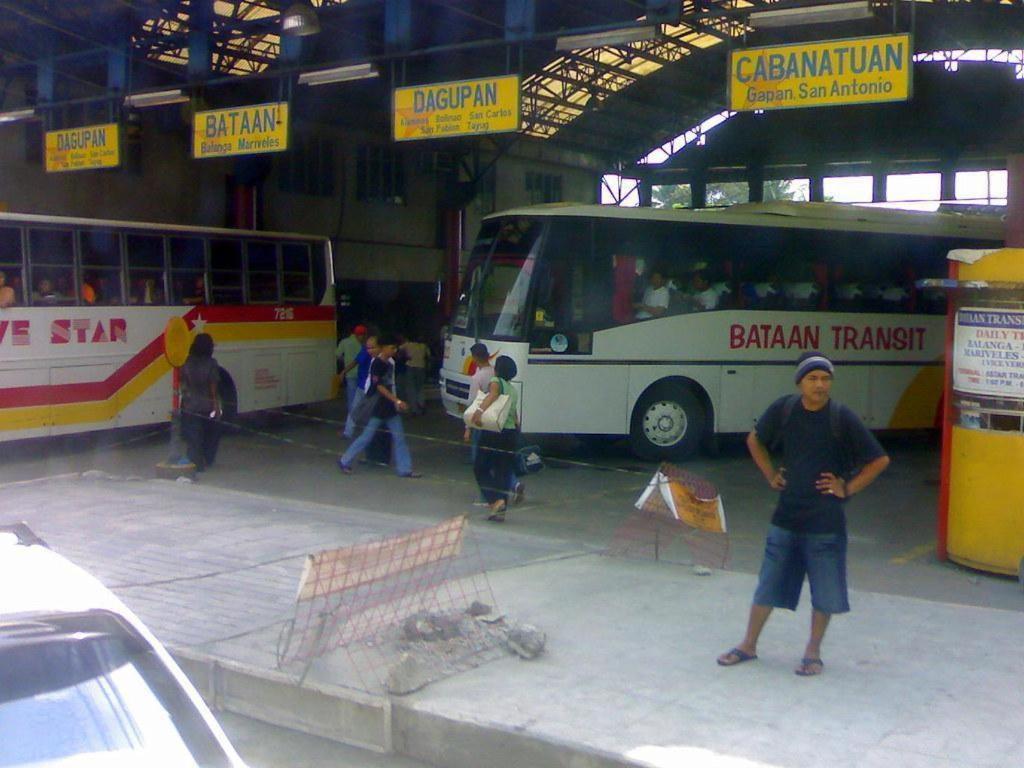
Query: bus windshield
[[494, 300]]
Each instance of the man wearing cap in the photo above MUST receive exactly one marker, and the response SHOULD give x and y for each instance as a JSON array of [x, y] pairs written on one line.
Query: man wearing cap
[[347, 352], [827, 455]]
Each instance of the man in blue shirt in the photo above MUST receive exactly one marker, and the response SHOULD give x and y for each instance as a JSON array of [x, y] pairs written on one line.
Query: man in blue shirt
[[827, 456]]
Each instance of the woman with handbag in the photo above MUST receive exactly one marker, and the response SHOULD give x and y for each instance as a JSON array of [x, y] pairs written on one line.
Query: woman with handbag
[[495, 459]]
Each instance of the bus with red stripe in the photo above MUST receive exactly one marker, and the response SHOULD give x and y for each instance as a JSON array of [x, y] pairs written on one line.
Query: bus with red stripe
[[84, 304], [671, 326]]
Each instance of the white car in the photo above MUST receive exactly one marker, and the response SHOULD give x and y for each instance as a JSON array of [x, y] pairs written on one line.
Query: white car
[[82, 681]]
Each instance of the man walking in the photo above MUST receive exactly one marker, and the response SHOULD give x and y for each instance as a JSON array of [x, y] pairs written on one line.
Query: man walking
[[387, 411], [828, 455]]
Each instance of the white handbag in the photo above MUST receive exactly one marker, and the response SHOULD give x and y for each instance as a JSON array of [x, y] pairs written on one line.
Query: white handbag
[[491, 420]]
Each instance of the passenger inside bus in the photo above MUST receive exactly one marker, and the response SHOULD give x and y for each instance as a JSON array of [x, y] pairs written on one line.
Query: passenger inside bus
[[145, 291], [89, 292], [701, 295], [656, 296], [198, 294], [45, 293], [7, 295]]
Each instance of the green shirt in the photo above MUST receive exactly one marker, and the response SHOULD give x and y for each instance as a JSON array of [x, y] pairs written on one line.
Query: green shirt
[[506, 388], [347, 350]]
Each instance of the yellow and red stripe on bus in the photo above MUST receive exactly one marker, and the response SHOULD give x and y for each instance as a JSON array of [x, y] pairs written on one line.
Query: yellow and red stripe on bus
[[34, 406]]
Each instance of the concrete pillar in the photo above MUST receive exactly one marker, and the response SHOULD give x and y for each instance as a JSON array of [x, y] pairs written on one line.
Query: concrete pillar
[[755, 183], [646, 191], [947, 190], [1015, 201], [699, 190], [816, 183], [878, 188]]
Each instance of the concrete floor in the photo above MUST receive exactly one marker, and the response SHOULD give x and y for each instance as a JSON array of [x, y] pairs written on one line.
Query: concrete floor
[[577, 501]]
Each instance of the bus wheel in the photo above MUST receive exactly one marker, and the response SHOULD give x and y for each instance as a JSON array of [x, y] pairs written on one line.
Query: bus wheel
[[228, 396], [668, 421]]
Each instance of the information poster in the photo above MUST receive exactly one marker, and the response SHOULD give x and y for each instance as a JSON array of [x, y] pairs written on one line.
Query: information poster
[[462, 108], [250, 130], [82, 149], [859, 70], [988, 352]]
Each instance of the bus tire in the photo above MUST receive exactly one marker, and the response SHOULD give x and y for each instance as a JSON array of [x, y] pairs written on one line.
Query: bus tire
[[228, 396], [668, 422]]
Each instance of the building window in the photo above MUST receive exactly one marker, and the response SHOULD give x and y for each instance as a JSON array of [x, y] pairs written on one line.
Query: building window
[[786, 189], [920, 191], [981, 187], [380, 175], [848, 189], [308, 167], [543, 187], [672, 196]]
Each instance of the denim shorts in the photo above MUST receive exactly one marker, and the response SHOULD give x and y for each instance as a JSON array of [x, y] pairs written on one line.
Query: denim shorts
[[789, 556]]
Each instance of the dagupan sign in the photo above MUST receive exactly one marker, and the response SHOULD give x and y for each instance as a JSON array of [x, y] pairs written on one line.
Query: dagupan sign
[[854, 71], [462, 108], [80, 149], [250, 130]]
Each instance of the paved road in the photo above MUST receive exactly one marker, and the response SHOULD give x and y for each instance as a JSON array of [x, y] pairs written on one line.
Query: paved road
[[578, 502]]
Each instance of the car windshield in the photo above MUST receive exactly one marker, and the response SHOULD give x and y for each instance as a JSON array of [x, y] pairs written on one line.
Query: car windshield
[[86, 689], [496, 287]]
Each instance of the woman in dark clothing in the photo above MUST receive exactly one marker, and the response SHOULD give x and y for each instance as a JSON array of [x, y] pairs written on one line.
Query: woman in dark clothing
[[200, 408], [495, 459]]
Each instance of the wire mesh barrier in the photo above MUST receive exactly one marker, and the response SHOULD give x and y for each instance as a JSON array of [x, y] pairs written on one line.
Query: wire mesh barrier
[[676, 507], [402, 611]]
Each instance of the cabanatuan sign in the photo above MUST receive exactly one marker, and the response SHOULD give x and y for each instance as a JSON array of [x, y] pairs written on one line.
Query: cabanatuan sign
[[854, 71]]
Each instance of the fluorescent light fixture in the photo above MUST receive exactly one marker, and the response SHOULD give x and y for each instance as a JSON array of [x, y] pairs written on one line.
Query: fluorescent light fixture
[[155, 98], [608, 37], [338, 74], [17, 114], [811, 14]]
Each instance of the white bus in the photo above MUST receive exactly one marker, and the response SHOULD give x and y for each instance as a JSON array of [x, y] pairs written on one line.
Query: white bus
[[557, 288], [87, 302]]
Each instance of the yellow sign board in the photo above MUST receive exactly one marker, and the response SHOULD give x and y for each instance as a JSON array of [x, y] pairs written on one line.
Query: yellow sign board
[[859, 70], [250, 130], [461, 108], [80, 149]]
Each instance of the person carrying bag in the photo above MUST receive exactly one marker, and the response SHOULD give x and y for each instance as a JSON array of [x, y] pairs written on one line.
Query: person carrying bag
[[495, 462]]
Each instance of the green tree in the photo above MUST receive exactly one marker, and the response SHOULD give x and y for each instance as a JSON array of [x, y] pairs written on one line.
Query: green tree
[[671, 196]]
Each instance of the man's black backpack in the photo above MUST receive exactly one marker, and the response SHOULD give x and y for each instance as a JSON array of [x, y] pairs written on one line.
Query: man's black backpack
[[838, 419]]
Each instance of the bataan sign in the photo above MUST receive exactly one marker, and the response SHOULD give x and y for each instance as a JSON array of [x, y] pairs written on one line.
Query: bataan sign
[[462, 108], [248, 130], [854, 71]]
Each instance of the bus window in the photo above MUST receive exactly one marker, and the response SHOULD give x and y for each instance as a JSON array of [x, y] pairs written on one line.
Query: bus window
[[262, 272], [573, 290], [145, 255], [497, 299], [188, 266], [100, 254], [226, 271], [296, 278], [12, 286], [51, 255]]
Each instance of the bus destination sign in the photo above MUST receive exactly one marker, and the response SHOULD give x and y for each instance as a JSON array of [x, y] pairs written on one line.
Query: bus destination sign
[[462, 108], [860, 70], [251, 130], [84, 148]]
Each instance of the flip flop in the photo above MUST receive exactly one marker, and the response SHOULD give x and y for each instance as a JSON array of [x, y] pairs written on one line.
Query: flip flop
[[741, 656], [810, 667]]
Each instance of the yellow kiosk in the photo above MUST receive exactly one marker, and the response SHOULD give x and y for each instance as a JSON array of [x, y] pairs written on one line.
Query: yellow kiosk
[[981, 517]]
